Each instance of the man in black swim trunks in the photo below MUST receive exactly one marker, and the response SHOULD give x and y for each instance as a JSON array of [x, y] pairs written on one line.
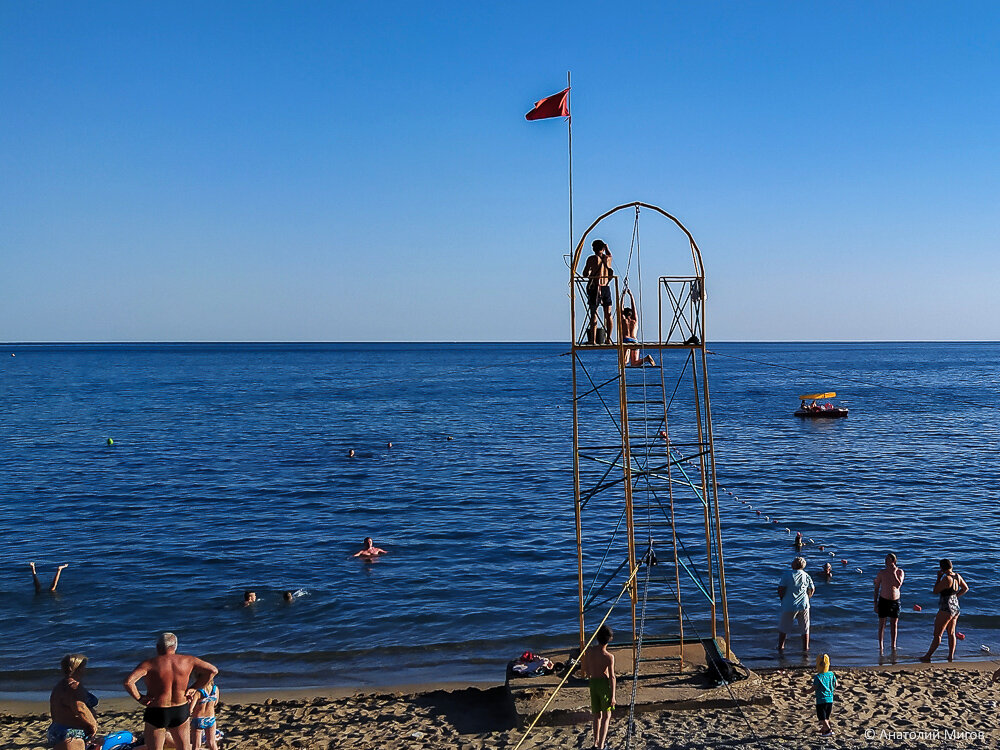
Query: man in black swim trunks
[[887, 584], [166, 701], [598, 273]]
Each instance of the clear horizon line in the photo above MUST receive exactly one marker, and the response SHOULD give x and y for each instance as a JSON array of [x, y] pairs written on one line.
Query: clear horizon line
[[470, 341]]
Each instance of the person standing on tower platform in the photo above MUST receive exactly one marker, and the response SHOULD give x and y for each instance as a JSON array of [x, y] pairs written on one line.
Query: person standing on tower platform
[[598, 272]]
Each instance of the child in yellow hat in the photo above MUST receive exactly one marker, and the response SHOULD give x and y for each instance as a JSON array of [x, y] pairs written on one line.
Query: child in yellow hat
[[824, 681]]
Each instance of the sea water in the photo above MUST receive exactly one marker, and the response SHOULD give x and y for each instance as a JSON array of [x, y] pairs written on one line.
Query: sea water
[[229, 470]]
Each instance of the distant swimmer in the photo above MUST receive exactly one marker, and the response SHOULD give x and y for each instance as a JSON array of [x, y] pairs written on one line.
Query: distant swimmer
[[249, 598], [369, 551], [827, 574], [350, 453], [55, 578], [167, 692], [290, 596]]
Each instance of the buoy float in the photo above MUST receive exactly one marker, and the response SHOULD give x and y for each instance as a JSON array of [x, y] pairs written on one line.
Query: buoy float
[[859, 570], [812, 542], [960, 636], [787, 530], [821, 547], [917, 608], [757, 512], [767, 518], [831, 554], [774, 521], [984, 649], [110, 441], [843, 561]]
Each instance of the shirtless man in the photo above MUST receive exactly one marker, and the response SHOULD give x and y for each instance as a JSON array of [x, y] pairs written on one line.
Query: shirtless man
[[887, 584], [369, 550], [166, 700], [598, 271], [599, 667]]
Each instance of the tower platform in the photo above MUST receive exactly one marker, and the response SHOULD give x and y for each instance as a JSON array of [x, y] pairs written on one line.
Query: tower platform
[[664, 685]]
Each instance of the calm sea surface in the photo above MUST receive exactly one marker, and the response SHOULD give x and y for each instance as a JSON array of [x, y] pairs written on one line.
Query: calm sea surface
[[229, 470]]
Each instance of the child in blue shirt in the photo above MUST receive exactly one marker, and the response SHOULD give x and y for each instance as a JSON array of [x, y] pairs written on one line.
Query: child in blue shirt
[[823, 682]]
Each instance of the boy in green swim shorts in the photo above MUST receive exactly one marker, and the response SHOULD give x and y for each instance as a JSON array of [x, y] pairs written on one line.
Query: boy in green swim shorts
[[599, 666]]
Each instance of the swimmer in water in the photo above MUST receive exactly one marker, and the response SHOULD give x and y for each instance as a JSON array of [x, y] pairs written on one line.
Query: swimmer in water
[[249, 598], [350, 453], [827, 574], [288, 597], [368, 550], [55, 578]]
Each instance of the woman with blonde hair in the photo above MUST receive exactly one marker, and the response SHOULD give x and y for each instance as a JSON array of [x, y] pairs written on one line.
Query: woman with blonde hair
[[73, 723]]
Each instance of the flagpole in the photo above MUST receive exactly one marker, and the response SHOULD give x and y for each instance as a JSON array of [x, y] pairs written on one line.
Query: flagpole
[[569, 122]]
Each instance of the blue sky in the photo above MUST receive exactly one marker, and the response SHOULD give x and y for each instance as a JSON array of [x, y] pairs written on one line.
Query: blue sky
[[345, 172]]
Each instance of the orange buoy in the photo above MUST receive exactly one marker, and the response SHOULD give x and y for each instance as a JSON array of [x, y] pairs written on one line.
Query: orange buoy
[[917, 608]]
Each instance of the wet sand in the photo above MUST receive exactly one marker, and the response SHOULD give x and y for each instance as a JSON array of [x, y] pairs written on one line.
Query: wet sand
[[912, 706]]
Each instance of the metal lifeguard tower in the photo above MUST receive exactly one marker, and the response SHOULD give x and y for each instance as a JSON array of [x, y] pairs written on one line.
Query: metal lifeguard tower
[[643, 454]]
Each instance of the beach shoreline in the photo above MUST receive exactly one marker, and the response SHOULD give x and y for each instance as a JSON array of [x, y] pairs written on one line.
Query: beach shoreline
[[938, 705]]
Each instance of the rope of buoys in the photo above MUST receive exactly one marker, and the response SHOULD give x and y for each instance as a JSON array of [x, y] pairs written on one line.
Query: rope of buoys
[[800, 540]]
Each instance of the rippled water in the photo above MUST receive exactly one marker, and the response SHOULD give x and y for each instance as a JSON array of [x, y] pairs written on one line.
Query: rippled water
[[230, 471]]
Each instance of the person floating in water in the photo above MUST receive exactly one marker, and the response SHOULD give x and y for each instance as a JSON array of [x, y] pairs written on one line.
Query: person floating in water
[[599, 667], [55, 578], [249, 598], [368, 550], [630, 332], [598, 273], [827, 574]]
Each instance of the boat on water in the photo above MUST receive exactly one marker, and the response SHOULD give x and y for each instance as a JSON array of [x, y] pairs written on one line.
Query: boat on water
[[816, 410]]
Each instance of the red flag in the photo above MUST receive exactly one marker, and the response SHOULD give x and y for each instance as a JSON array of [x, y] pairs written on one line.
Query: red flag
[[556, 105]]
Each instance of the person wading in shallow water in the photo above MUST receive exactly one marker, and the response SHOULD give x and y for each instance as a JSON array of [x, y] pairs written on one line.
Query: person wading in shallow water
[[887, 583], [794, 590], [166, 676], [949, 586]]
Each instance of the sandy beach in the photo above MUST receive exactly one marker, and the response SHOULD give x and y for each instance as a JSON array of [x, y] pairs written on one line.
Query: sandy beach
[[912, 706]]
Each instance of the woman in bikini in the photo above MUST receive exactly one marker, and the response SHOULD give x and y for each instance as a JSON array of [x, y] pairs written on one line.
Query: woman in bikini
[[630, 331], [203, 722], [949, 586]]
